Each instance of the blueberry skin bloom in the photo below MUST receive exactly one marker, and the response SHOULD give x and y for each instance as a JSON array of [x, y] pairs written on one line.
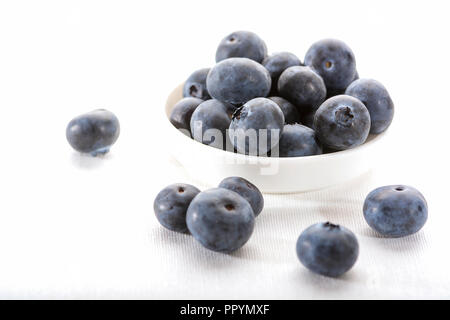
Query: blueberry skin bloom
[[377, 100], [93, 132], [247, 190], [298, 141], [327, 249], [334, 61], [242, 44], [182, 112], [290, 112], [256, 127], [395, 211], [342, 122], [210, 115], [238, 80], [220, 219], [303, 87], [171, 205], [195, 85], [277, 63]]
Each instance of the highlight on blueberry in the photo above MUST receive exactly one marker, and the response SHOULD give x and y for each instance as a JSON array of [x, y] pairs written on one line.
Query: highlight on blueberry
[[93, 132]]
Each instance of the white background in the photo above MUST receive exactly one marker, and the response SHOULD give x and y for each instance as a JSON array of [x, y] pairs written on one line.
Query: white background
[[76, 227]]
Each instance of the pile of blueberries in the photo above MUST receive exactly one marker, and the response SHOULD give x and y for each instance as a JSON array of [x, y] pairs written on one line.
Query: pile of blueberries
[[275, 105], [222, 219]]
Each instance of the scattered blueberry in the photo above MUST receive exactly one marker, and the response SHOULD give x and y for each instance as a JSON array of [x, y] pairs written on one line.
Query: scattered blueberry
[[93, 132], [303, 87], [182, 112], [238, 80], [277, 63], [327, 249], [209, 122], [247, 190], [242, 44], [195, 85], [396, 211], [342, 122], [298, 141], [256, 127], [377, 100], [334, 61], [220, 219], [171, 205], [290, 112]]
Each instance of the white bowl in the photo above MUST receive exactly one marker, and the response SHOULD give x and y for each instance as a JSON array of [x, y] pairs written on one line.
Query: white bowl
[[272, 175]]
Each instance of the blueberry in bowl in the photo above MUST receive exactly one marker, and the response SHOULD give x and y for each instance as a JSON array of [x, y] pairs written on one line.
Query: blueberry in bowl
[[290, 111], [298, 141], [195, 85], [303, 87], [238, 80], [377, 100], [209, 123], [93, 132], [242, 44], [278, 62], [342, 122], [334, 61], [256, 127], [181, 114]]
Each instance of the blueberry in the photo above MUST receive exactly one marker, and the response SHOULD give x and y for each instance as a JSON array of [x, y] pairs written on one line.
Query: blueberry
[[327, 249], [209, 123], [245, 189], [93, 132], [290, 112], [182, 112], [238, 80], [298, 141], [303, 87], [334, 61], [220, 219], [242, 44], [256, 127], [171, 205], [195, 85], [395, 211], [277, 63], [342, 122], [332, 93], [377, 100]]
